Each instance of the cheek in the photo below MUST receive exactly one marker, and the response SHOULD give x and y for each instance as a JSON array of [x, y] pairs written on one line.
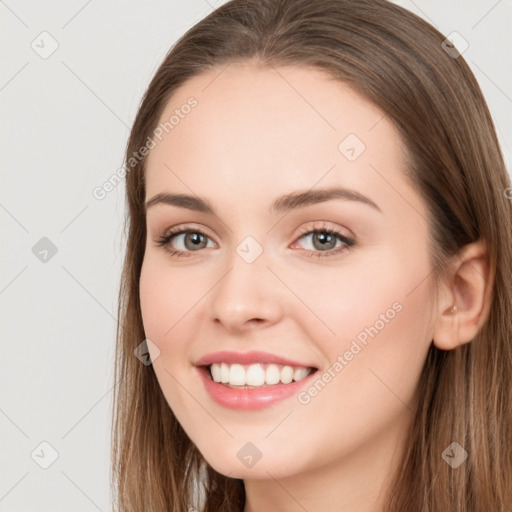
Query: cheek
[[165, 297], [167, 306], [165, 301], [379, 325], [382, 338], [357, 294], [370, 286]]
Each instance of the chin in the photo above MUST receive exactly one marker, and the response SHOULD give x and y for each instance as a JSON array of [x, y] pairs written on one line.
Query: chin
[[262, 469]]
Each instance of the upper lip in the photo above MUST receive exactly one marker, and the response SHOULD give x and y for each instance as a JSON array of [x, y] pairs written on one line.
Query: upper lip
[[251, 357]]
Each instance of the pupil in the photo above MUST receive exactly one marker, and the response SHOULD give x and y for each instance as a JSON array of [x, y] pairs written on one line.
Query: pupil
[[323, 236], [194, 238], [324, 239]]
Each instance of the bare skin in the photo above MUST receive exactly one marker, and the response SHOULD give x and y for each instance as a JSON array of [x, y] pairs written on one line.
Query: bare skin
[[252, 138]]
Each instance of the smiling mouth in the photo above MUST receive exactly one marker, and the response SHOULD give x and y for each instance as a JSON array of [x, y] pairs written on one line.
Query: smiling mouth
[[257, 375]]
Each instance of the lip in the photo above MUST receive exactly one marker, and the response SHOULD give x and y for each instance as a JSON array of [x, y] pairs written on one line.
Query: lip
[[251, 357], [250, 399], [255, 398]]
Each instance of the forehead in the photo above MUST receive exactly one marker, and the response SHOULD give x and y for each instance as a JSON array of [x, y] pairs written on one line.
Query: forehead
[[258, 132]]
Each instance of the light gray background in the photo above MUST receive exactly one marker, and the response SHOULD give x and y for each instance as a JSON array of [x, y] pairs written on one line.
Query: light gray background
[[65, 122]]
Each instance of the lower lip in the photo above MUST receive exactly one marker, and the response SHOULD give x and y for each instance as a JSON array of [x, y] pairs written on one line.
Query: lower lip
[[249, 399]]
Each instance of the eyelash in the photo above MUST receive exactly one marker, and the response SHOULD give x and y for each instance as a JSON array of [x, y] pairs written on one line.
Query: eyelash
[[349, 242]]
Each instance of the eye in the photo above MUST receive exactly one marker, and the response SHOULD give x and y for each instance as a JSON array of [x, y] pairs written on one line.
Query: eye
[[191, 240], [324, 241]]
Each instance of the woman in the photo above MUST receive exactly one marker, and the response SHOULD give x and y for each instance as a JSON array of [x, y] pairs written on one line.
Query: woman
[[318, 267]]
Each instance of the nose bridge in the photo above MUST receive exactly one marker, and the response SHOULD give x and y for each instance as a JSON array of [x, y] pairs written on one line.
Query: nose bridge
[[247, 290]]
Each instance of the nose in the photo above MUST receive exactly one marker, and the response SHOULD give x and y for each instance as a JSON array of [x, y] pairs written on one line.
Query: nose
[[247, 296]]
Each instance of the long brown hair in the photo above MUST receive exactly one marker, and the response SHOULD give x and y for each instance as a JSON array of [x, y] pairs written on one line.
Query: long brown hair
[[396, 61]]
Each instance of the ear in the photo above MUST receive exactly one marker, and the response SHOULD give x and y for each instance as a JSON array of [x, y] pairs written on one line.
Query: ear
[[469, 289]]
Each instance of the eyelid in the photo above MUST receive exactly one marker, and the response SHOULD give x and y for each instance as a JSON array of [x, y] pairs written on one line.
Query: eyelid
[[312, 226], [185, 228]]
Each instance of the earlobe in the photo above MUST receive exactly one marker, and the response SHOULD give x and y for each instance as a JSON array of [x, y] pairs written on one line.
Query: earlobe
[[466, 301]]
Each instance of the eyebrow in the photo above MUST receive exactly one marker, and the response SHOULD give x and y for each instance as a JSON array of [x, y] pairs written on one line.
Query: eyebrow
[[282, 204]]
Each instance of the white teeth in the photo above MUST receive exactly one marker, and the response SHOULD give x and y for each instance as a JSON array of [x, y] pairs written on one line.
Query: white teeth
[[237, 375], [300, 373], [287, 375], [216, 372], [255, 374], [224, 373], [273, 375]]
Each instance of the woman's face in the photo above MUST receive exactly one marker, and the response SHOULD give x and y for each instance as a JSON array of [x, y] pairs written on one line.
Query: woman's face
[[262, 274]]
